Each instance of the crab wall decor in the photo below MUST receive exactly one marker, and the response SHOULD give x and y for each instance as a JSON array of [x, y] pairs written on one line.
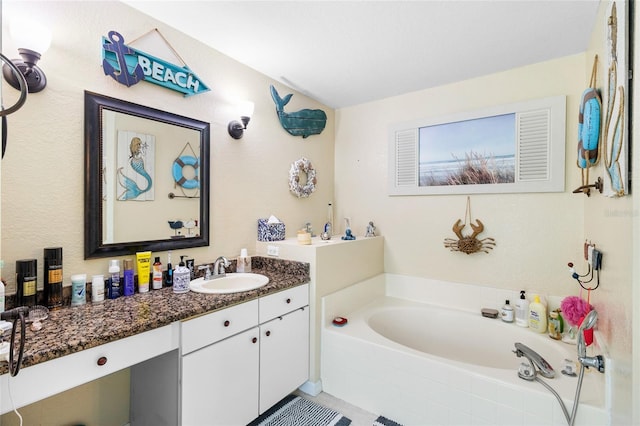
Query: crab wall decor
[[470, 243]]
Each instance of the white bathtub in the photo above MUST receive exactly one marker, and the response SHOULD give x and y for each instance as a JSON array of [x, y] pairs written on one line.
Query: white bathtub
[[425, 364]]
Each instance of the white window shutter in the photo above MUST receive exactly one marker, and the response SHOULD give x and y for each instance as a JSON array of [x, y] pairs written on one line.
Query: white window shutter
[[533, 145]]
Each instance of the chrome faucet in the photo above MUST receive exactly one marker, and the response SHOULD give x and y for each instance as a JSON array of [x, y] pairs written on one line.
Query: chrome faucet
[[543, 367], [219, 265]]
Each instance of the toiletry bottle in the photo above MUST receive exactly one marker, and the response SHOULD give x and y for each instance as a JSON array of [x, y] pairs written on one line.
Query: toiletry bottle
[[128, 284], [522, 310], [537, 315], [243, 263], [181, 277], [2, 295], [143, 263], [556, 325], [169, 277], [78, 289], [190, 264], [157, 274], [114, 279], [26, 279], [97, 288], [53, 277], [507, 312]]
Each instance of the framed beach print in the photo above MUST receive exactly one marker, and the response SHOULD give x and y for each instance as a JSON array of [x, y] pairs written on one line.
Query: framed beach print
[[503, 149]]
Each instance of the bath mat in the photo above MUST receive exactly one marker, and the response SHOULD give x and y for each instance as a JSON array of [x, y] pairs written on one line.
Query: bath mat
[[383, 421], [297, 411]]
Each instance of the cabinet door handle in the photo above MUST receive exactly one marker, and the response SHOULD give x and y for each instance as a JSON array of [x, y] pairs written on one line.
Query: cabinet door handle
[[227, 323], [268, 333], [254, 340], [102, 361], [288, 301]]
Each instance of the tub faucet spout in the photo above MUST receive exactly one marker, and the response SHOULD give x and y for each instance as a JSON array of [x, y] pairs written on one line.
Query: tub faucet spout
[[538, 363]]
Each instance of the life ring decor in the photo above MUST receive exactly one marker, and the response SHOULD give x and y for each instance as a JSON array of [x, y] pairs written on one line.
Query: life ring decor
[[302, 190], [178, 171]]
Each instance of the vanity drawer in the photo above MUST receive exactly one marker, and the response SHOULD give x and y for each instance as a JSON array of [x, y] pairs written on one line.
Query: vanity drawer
[[277, 304], [210, 328]]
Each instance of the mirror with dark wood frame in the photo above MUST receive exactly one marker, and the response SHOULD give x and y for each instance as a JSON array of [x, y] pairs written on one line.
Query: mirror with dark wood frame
[[146, 179]]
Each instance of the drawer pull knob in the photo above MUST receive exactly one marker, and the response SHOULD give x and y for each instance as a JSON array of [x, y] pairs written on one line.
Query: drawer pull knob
[[288, 300], [102, 361], [254, 340], [268, 333], [227, 323]]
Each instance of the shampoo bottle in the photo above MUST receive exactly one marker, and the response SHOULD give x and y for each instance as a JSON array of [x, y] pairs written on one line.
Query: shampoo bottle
[[522, 310], [243, 263], [537, 315], [181, 277]]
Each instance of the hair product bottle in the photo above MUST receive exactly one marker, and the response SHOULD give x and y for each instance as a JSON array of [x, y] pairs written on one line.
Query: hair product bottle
[[157, 274], [53, 277], [169, 277], [128, 283], [114, 279], [26, 279]]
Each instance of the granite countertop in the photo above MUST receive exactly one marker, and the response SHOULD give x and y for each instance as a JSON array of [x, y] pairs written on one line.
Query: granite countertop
[[73, 329]]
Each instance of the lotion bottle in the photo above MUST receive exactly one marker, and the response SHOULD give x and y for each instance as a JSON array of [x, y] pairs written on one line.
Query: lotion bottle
[[522, 311], [537, 315], [243, 263], [507, 312]]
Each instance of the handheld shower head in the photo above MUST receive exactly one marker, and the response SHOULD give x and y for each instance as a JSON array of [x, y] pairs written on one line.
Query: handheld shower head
[[588, 323]]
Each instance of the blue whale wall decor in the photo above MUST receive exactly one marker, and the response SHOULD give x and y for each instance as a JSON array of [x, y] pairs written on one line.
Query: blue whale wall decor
[[303, 123]]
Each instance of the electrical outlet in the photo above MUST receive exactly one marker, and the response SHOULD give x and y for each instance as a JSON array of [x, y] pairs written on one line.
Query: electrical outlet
[[273, 250]]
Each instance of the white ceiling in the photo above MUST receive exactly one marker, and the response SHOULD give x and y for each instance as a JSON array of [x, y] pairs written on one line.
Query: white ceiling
[[344, 53]]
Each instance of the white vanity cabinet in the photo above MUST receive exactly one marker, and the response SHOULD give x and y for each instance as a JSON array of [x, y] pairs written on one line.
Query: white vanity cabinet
[[284, 344], [234, 364], [220, 382]]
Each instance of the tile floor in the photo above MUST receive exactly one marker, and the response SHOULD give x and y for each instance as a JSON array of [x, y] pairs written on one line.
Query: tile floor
[[358, 416]]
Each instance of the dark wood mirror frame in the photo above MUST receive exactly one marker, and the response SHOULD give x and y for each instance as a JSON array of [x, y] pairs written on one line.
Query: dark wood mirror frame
[[94, 247]]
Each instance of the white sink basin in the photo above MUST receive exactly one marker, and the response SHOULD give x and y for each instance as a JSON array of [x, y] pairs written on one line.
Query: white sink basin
[[230, 283]]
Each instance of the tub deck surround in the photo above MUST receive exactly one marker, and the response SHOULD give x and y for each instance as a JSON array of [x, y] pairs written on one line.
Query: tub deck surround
[[74, 329]]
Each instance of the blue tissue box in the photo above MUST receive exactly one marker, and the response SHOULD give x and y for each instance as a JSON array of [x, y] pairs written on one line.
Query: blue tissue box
[[270, 231]]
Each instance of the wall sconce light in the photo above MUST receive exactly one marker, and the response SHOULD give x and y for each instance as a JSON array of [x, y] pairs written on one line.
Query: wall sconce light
[[236, 128], [35, 40]]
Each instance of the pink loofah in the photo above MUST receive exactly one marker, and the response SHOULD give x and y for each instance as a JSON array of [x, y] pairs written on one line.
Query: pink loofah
[[574, 308]]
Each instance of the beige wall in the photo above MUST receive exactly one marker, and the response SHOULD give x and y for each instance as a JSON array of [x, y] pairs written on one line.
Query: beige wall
[[536, 234], [43, 169]]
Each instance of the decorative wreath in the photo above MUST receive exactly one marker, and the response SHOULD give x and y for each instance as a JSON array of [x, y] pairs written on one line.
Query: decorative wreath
[[302, 165]]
